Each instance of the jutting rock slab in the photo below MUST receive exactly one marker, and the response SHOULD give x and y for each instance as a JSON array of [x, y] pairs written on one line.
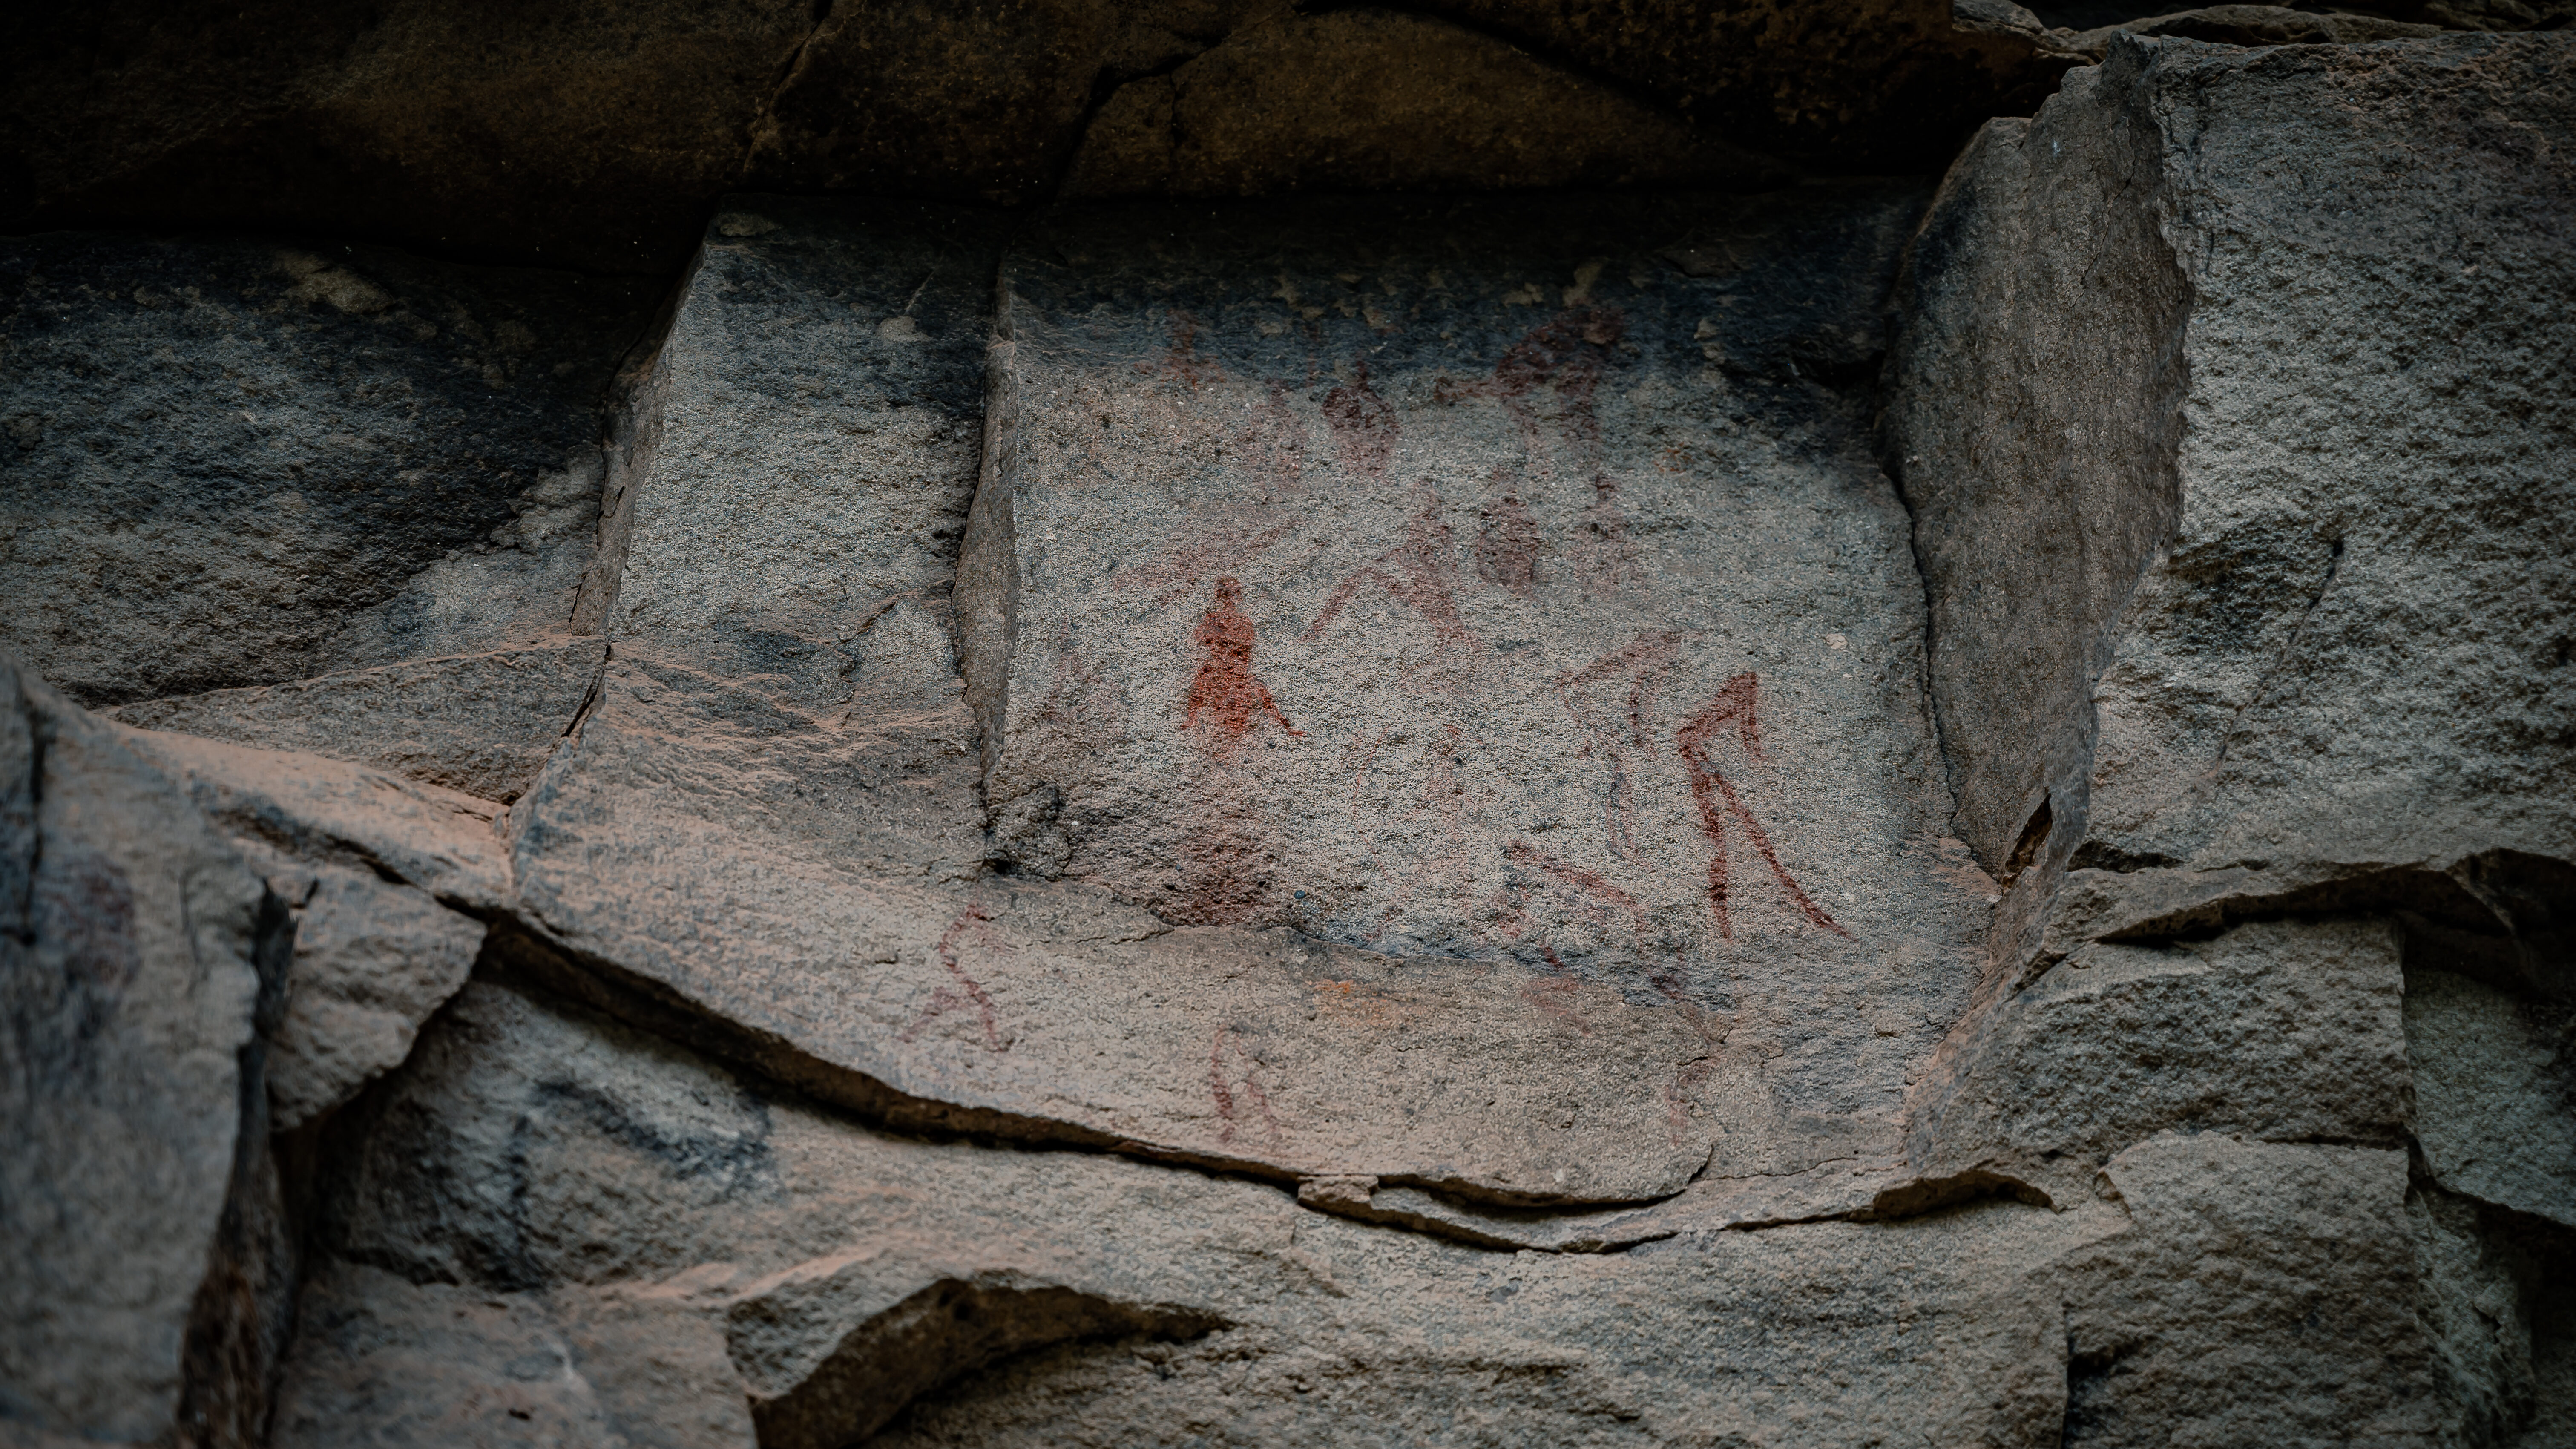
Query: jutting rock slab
[[143, 965], [2244, 514]]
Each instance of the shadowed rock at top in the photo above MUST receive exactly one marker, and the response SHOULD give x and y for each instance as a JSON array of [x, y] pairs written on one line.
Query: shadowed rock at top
[[234, 463], [596, 136]]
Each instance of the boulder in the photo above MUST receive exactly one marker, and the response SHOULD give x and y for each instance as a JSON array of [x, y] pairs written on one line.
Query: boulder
[[2275, 1031], [143, 964], [2495, 1076], [235, 462], [2281, 1293]]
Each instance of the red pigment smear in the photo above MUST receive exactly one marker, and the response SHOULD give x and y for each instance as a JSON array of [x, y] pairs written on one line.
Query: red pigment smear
[[1581, 879], [1565, 355], [1416, 573], [1364, 426], [1181, 360], [971, 921], [1643, 662], [1508, 546], [1225, 689], [1553, 995], [1222, 1090], [1735, 703]]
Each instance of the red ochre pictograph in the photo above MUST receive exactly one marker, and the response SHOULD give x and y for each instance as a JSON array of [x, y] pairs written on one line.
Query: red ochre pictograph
[[975, 923], [1233, 1089], [1734, 704], [1225, 689]]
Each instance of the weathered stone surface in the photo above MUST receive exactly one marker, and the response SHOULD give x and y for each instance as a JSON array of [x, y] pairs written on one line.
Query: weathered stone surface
[[1360, 99], [812, 893], [573, 1164], [382, 1361], [2227, 662], [483, 724], [141, 961], [816, 416], [389, 883], [372, 961], [233, 462], [2495, 1093], [2255, 25], [1492, 583], [2281, 1031], [2277, 1294], [438, 841]]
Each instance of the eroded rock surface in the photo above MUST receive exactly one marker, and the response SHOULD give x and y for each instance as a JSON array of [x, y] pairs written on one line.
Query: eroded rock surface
[[143, 963], [316, 458], [2247, 646], [388, 882], [573, 1166], [482, 724]]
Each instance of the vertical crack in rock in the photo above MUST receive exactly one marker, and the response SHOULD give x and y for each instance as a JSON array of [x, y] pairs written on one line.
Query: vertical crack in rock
[[987, 589], [636, 402]]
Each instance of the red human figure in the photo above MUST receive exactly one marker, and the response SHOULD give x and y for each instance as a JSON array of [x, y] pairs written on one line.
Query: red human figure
[[1225, 688], [1717, 799]]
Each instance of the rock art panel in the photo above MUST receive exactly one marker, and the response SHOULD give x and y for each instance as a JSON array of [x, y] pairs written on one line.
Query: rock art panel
[[142, 964], [2289, 520], [814, 891], [235, 463], [1492, 582]]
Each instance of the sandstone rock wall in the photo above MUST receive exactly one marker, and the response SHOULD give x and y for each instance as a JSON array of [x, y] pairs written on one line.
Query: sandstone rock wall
[[1803, 812]]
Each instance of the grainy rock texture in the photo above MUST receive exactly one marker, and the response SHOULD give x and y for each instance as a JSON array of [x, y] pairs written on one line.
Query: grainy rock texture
[[314, 458], [1735, 808], [143, 965], [2244, 648], [483, 724], [385, 881]]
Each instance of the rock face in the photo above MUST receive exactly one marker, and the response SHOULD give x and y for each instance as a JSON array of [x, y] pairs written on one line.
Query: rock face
[[316, 459], [1516, 599], [2244, 646], [143, 967], [1852, 814]]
